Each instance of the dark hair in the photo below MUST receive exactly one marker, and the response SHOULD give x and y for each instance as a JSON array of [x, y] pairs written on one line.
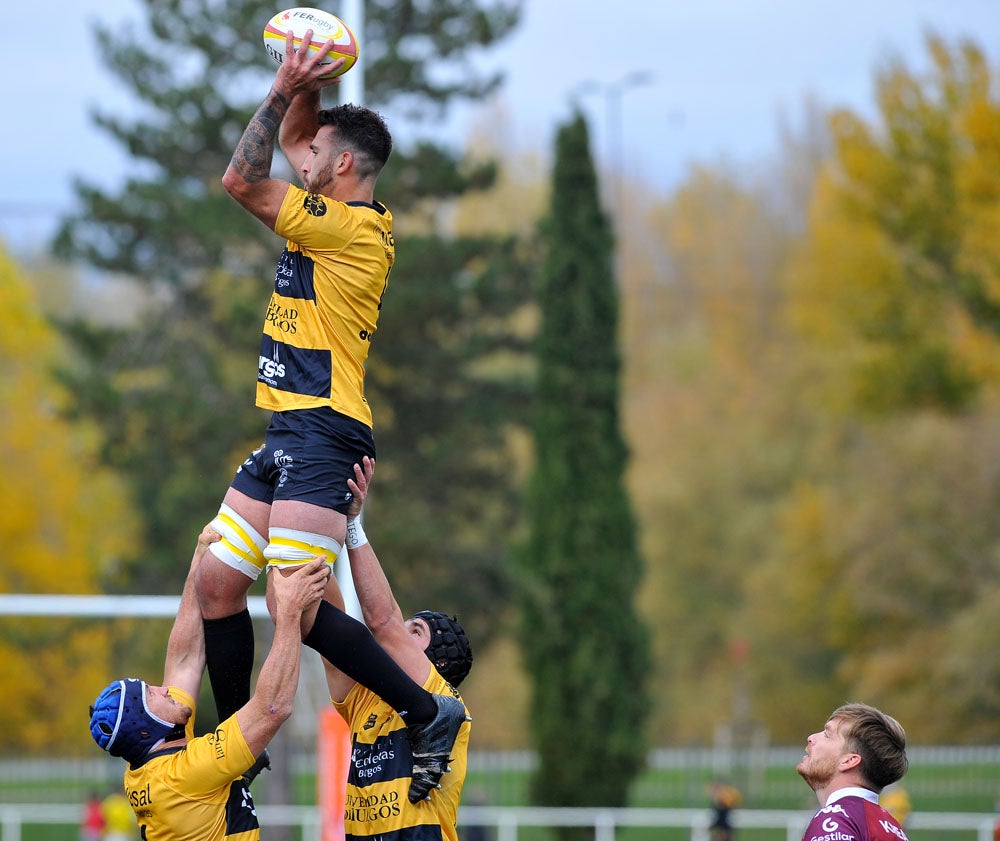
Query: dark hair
[[449, 649], [878, 739], [364, 132]]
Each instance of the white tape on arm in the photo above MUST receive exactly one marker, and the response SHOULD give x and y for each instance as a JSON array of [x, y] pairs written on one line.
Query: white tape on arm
[[355, 534]]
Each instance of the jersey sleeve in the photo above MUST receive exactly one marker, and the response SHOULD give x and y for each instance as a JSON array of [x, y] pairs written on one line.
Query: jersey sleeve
[[182, 697], [215, 759], [313, 221], [354, 698]]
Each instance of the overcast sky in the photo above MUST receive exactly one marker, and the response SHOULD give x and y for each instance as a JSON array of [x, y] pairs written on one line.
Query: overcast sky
[[718, 76]]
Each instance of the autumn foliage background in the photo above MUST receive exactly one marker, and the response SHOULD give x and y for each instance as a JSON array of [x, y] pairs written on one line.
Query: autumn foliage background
[[811, 370]]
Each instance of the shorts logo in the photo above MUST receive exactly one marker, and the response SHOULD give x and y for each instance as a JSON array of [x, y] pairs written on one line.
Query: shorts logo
[[248, 801], [248, 461], [283, 462], [314, 204]]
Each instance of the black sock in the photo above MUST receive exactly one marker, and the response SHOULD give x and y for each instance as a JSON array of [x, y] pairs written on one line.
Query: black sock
[[229, 656], [349, 646]]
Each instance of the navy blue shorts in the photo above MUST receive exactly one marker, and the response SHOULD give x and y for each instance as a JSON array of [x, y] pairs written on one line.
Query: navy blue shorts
[[308, 455]]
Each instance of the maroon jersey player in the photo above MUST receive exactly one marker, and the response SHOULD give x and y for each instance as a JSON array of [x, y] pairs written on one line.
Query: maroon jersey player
[[859, 751]]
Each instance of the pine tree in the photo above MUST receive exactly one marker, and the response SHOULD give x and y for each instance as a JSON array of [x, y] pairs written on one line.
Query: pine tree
[[584, 646]]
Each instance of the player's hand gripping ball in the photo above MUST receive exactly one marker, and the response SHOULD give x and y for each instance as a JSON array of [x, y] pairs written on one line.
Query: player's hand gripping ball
[[325, 27]]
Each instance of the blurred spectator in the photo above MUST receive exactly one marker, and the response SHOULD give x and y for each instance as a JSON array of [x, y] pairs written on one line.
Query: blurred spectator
[[92, 822], [119, 819], [896, 801], [475, 832], [725, 798]]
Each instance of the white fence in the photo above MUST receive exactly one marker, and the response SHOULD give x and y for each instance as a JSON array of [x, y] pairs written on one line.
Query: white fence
[[507, 821], [66, 780]]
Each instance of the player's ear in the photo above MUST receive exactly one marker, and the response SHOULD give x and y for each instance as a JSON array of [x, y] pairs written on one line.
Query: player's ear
[[849, 761]]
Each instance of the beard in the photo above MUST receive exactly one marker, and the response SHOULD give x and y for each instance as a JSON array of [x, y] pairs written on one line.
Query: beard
[[316, 181], [817, 772]]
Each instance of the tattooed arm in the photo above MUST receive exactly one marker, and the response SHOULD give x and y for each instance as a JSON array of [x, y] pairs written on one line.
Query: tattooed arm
[[248, 178], [299, 127]]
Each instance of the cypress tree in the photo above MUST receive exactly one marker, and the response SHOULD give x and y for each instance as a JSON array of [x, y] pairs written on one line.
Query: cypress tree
[[585, 648]]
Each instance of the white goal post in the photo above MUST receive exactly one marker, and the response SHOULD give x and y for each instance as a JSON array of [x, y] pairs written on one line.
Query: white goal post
[[312, 696], [150, 607], [103, 606]]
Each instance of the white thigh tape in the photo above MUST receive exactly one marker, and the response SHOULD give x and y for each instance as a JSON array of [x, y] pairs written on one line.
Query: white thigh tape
[[241, 546], [291, 547]]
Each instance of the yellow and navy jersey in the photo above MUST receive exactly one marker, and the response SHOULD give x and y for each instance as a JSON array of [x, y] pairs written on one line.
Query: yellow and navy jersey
[[328, 290], [377, 805], [195, 793]]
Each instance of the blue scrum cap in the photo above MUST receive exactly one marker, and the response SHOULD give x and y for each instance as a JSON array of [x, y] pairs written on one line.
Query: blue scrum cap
[[122, 724]]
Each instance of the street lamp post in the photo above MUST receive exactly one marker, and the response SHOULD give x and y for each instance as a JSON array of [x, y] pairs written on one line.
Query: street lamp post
[[614, 124], [615, 129]]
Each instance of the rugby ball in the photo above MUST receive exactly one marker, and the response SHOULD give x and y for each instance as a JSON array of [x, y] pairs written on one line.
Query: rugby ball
[[325, 27]]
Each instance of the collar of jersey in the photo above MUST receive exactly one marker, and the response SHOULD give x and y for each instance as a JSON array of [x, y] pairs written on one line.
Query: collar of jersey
[[852, 791], [156, 754]]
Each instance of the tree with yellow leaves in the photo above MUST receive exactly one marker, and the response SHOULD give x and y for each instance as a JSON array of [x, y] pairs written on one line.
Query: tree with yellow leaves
[[63, 522], [900, 273], [884, 557]]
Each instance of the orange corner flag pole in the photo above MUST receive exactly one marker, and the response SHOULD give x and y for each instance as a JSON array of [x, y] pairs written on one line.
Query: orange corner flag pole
[[333, 756]]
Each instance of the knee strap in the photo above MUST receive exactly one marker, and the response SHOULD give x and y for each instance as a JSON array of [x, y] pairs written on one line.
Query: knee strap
[[292, 548], [241, 546]]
